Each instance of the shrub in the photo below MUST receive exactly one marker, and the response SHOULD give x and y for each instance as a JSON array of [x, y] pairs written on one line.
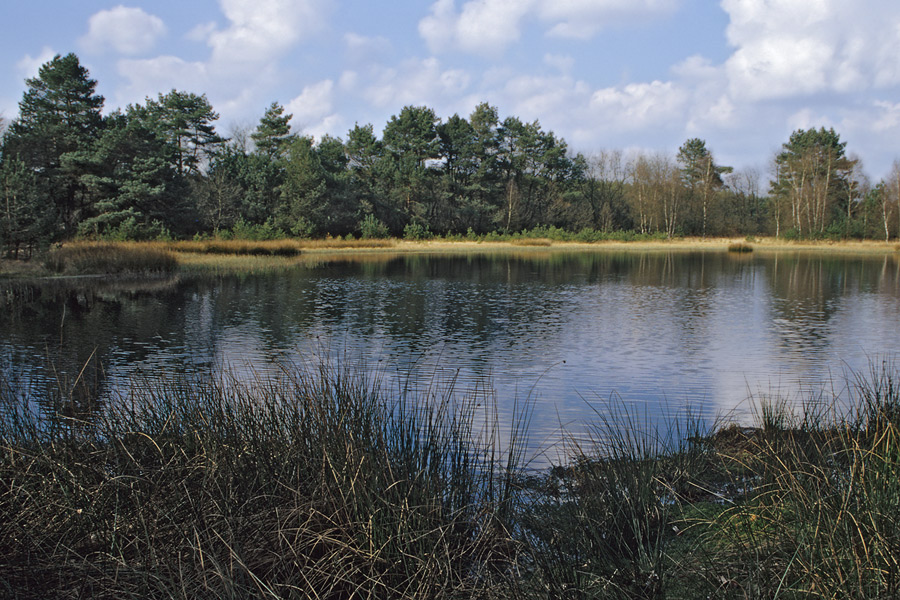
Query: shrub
[[372, 228], [416, 231]]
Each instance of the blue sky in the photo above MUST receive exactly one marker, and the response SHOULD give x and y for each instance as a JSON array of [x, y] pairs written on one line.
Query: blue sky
[[603, 74]]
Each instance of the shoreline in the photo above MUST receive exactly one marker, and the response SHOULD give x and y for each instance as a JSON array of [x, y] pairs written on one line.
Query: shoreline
[[689, 244], [191, 260]]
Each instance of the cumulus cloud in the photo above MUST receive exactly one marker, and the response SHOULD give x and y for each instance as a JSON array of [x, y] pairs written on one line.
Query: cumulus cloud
[[640, 105], [124, 30], [149, 77], [201, 32], [28, 66], [314, 102], [313, 110], [788, 48], [482, 27], [261, 30], [488, 27], [417, 82]]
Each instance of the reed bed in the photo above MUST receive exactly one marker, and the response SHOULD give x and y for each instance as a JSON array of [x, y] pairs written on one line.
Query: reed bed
[[285, 247], [320, 483], [117, 258], [531, 242]]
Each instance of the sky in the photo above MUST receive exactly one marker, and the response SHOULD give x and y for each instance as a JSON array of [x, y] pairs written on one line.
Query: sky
[[602, 74]]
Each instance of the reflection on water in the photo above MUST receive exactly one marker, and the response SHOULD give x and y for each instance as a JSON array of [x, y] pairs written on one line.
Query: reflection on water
[[662, 329]]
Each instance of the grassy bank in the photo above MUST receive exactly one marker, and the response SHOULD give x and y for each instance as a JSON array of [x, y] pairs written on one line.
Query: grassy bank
[[319, 483], [143, 258]]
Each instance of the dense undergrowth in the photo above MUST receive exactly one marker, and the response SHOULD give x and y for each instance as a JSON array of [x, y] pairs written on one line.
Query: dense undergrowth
[[322, 483]]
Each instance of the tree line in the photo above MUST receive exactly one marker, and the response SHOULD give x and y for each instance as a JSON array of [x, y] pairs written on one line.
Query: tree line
[[160, 169]]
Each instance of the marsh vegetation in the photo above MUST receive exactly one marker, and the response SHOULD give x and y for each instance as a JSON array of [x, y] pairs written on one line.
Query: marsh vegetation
[[320, 482]]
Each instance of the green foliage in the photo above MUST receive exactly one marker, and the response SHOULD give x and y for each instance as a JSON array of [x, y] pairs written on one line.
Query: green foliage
[[23, 221], [273, 134], [812, 182], [59, 122], [372, 228], [185, 121], [131, 230], [416, 231], [162, 161], [243, 230]]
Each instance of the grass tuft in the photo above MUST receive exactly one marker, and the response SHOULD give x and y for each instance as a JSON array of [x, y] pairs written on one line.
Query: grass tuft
[[740, 247]]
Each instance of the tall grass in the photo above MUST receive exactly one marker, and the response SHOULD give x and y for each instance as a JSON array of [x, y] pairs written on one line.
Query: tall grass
[[109, 258], [317, 482], [283, 247], [312, 484], [605, 526]]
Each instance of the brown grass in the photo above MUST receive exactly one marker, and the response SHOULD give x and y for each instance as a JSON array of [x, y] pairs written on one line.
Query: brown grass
[[531, 242], [740, 247]]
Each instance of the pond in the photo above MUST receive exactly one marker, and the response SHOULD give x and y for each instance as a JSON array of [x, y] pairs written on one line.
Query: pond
[[568, 331]]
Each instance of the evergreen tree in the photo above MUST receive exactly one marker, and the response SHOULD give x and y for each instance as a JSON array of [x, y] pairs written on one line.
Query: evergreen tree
[[186, 122], [273, 134], [701, 176], [411, 140], [59, 122], [304, 210], [23, 222], [137, 195]]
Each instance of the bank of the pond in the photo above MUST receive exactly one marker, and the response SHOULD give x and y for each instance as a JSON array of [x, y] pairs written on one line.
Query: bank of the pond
[[320, 483], [137, 258]]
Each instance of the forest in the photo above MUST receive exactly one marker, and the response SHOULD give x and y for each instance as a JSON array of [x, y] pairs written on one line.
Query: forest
[[160, 170]]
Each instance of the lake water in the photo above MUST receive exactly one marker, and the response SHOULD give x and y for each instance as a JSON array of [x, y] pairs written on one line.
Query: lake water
[[569, 331]]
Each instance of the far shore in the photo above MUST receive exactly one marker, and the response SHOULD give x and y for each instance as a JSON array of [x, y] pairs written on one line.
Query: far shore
[[190, 258], [688, 243]]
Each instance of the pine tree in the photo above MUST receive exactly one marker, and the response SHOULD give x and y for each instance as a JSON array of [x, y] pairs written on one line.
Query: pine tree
[[273, 134], [59, 122]]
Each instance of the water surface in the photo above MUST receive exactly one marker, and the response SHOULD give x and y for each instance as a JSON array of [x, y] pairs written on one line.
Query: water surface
[[660, 330]]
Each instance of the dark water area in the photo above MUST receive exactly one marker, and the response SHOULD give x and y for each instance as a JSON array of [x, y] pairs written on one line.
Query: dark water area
[[658, 330]]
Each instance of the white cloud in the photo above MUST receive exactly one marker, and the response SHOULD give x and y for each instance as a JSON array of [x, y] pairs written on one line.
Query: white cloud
[[806, 118], [789, 48], [552, 99], [640, 105], [314, 102], [560, 62], [888, 116], [313, 110], [482, 27], [201, 32], [261, 30], [124, 30], [488, 27], [28, 66], [584, 18], [150, 77], [779, 67], [417, 82], [365, 49]]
